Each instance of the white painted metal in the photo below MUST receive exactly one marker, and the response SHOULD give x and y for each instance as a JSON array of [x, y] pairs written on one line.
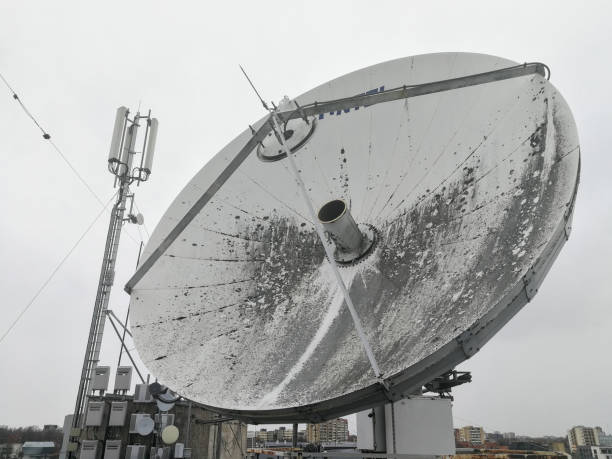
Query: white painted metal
[[148, 160], [160, 453], [143, 424], [142, 394], [123, 379], [95, 413], [118, 130], [118, 414], [164, 406], [89, 449], [135, 419], [467, 188], [112, 449], [128, 149], [65, 436], [135, 452], [371, 433], [420, 426], [164, 419], [101, 376]]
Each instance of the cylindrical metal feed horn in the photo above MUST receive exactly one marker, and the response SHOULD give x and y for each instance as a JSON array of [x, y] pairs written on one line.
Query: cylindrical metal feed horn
[[338, 222]]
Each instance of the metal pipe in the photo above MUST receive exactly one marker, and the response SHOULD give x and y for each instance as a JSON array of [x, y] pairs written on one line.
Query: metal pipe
[[188, 430], [218, 440], [127, 314], [110, 319], [339, 223]]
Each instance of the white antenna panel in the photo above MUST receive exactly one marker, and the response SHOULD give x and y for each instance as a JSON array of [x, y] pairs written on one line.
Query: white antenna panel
[[118, 130], [148, 163]]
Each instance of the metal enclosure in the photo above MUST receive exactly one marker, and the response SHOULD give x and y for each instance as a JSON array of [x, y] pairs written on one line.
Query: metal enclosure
[[112, 449], [420, 426], [134, 421], [118, 413], [160, 453], [95, 414], [101, 376], [89, 449], [371, 430], [123, 379], [135, 452], [467, 167], [164, 419], [142, 394]]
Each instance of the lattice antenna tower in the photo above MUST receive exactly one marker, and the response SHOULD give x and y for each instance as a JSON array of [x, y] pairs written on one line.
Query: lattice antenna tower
[[129, 165]]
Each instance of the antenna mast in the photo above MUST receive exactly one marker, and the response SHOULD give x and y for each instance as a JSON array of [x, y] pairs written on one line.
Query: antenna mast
[[121, 164]]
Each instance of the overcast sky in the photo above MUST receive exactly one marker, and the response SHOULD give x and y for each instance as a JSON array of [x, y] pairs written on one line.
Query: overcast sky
[[74, 63]]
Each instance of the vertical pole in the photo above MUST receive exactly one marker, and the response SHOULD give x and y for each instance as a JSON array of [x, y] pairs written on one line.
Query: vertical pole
[[393, 426], [188, 431], [295, 427], [218, 440]]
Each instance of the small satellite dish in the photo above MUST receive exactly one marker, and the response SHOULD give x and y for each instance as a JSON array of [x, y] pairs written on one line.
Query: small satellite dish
[[446, 183], [170, 435], [144, 425], [164, 396], [137, 219], [164, 406]]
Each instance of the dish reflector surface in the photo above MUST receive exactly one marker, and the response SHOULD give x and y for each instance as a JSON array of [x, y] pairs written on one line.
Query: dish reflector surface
[[467, 189]]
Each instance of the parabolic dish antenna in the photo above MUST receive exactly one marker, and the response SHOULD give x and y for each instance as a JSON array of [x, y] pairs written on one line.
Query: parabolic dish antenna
[[164, 406], [144, 425], [450, 179], [170, 435]]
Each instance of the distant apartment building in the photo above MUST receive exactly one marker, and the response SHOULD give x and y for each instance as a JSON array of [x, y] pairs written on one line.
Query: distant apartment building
[[601, 438], [265, 435], [286, 435], [509, 435], [604, 439], [335, 430], [251, 439], [601, 452], [472, 435], [558, 446], [280, 435], [582, 452], [582, 436]]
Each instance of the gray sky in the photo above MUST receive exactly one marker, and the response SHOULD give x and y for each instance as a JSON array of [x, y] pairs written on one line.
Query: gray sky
[[74, 63]]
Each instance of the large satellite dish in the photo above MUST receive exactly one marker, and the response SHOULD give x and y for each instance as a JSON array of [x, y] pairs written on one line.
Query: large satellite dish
[[450, 179]]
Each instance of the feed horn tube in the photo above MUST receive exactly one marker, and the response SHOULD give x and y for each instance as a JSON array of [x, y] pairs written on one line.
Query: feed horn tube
[[339, 223]]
